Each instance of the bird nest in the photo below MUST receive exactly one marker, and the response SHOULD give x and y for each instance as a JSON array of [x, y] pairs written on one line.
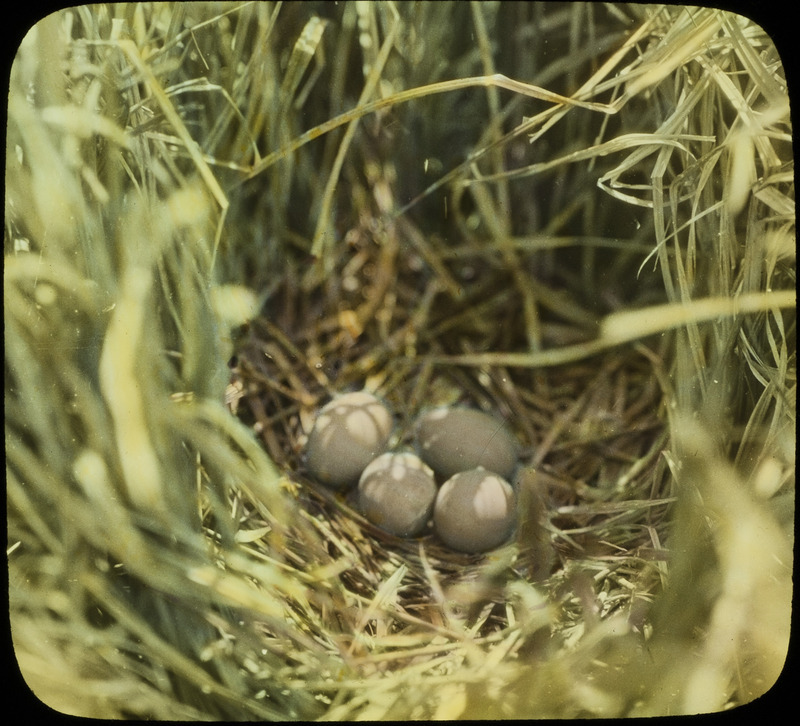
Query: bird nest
[[592, 435], [219, 217]]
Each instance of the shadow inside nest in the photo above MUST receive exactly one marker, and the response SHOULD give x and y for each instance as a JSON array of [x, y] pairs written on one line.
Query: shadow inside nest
[[591, 433]]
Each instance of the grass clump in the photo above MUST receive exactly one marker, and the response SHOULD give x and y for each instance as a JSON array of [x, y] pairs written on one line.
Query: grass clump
[[218, 209]]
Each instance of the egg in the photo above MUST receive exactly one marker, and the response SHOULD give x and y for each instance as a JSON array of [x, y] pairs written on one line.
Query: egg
[[475, 511], [456, 439], [349, 432], [396, 492]]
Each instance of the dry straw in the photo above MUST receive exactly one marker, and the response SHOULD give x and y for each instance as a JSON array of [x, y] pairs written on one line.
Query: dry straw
[[579, 217]]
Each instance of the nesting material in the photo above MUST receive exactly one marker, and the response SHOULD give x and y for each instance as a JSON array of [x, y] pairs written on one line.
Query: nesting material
[[451, 440], [396, 492], [349, 432], [475, 511]]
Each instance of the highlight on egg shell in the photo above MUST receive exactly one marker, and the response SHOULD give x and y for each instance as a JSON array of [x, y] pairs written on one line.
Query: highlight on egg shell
[[396, 492], [405, 459], [349, 432], [475, 511], [454, 439]]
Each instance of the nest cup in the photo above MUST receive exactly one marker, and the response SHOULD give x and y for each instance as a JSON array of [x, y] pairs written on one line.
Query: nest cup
[[164, 541]]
